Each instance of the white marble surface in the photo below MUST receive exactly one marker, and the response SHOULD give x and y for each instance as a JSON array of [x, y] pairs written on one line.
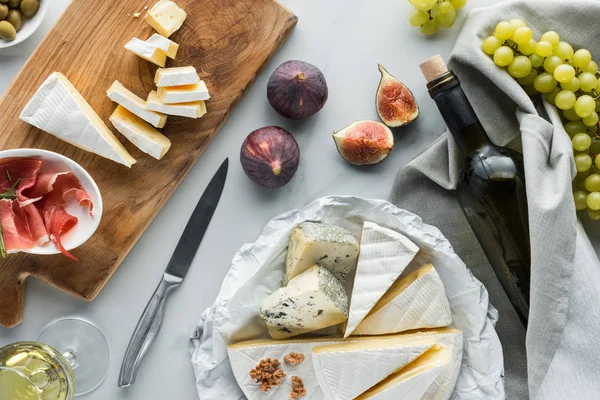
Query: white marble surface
[[346, 39]]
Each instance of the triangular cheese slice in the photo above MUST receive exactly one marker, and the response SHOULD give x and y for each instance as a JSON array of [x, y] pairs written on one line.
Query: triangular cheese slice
[[346, 370], [417, 300], [59, 109], [412, 381], [384, 254]]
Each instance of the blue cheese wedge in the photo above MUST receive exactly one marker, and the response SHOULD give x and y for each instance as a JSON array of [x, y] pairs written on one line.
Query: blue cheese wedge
[[311, 301], [328, 246]]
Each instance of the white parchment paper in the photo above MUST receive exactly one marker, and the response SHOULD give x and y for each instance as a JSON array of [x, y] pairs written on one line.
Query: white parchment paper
[[257, 270]]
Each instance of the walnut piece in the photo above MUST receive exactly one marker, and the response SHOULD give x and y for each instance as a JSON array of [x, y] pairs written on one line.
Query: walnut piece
[[267, 373], [297, 388], [293, 358]]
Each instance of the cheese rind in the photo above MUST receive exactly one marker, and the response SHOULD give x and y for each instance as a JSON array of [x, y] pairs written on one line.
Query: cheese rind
[[165, 17], [417, 300], [124, 97], [163, 44], [59, 109], [178, 76], [140, 133], [311, 301], [147, 51], [329, 246], [384, 254], [183, 94], [194, 109]]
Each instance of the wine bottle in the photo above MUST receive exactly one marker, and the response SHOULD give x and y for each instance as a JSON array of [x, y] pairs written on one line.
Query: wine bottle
[[490, 189]]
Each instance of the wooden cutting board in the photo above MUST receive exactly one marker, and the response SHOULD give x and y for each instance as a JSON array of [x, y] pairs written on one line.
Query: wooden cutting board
[[228, 41]]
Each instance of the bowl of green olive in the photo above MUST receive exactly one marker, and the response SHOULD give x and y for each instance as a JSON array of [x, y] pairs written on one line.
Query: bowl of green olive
[[19, 19]]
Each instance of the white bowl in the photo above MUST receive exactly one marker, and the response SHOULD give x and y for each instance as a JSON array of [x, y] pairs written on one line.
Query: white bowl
[[30, 25], [86, 225]]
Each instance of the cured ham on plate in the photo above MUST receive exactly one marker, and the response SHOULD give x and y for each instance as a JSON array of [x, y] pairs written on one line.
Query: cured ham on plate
[[48, 203]]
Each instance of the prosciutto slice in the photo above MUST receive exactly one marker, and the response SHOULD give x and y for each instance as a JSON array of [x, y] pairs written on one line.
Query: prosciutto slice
[[32, 211]]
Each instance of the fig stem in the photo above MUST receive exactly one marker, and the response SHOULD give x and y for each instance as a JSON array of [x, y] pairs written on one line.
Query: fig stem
[[300, 77], [276, 171]]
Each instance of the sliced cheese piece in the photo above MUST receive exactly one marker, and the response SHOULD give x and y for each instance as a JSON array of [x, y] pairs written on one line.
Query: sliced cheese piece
[[183, 94], [346, 370], [195, 109], [329, 246], [166, 17], [417, 300], [311, 301], [147, 51], [245, 356], [140, 133], [124, 97], [384, 254], [177, 76], [412, 382], [59, 109], [165, 45]]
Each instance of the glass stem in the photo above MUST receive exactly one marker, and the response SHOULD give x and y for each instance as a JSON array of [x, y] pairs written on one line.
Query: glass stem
[[71, 357]]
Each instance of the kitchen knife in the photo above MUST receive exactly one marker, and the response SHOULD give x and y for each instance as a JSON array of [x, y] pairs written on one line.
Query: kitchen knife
[[151, 320]]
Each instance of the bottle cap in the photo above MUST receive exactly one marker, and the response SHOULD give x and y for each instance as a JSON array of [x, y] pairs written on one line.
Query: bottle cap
[[433, 68]]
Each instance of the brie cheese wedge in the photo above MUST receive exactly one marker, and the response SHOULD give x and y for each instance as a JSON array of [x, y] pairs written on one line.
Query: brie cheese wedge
[[311, 301], [346, 370], [412, 382], [178, 76], [165, 45], [166, 17], [194, 109], [417, 300], [59, 109], [329, 246], [183, 94], [140, 133], [384, 254], [124, 97], [147, 51]]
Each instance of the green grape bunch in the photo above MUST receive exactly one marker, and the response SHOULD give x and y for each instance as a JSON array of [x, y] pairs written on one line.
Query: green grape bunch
[[569, 80], [431, 14]]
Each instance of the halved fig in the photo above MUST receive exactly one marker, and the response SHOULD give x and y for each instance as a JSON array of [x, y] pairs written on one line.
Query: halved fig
[[396, 104], [364, 142]]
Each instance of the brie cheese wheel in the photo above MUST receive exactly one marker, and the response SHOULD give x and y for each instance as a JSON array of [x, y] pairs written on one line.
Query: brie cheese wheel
[[178, 76], [328, 246], [124, 97], [165, 45], [147, 51], [245, 356], [140, 133], [417, 300], [183, 94], [166, 17], [311, 301], [346, 370], [195, 109], [384, 254], [59, 109], [412, 382]]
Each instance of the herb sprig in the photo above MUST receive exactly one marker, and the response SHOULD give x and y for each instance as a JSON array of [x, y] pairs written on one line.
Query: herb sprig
[[9, 194]]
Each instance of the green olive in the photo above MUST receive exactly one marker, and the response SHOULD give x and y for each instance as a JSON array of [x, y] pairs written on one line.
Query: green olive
[[29, 7], [7, 31], [14, 4], [3, 11], [15, 18], [4, 1]]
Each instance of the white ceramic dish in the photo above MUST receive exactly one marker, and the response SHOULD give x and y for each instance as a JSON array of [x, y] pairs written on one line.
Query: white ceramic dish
[[30, 25], [86, 225]]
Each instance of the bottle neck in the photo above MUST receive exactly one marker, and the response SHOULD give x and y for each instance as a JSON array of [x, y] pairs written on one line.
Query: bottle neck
[[458, 113]]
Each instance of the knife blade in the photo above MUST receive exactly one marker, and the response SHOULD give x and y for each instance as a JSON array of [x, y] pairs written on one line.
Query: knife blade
[[150, 322]]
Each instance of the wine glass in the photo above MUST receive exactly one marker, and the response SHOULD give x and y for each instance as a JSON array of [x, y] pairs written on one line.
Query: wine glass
[[70, 358]]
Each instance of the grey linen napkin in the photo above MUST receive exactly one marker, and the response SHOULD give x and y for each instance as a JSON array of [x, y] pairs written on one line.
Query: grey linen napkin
[[558, 357]]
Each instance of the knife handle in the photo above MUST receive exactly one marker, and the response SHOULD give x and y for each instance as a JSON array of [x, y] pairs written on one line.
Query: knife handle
[[146, 330]]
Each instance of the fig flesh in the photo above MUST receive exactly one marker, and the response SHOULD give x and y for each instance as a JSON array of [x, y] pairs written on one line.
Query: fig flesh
[[297, 89], [270, 156], [396, 104], [364, 142]]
